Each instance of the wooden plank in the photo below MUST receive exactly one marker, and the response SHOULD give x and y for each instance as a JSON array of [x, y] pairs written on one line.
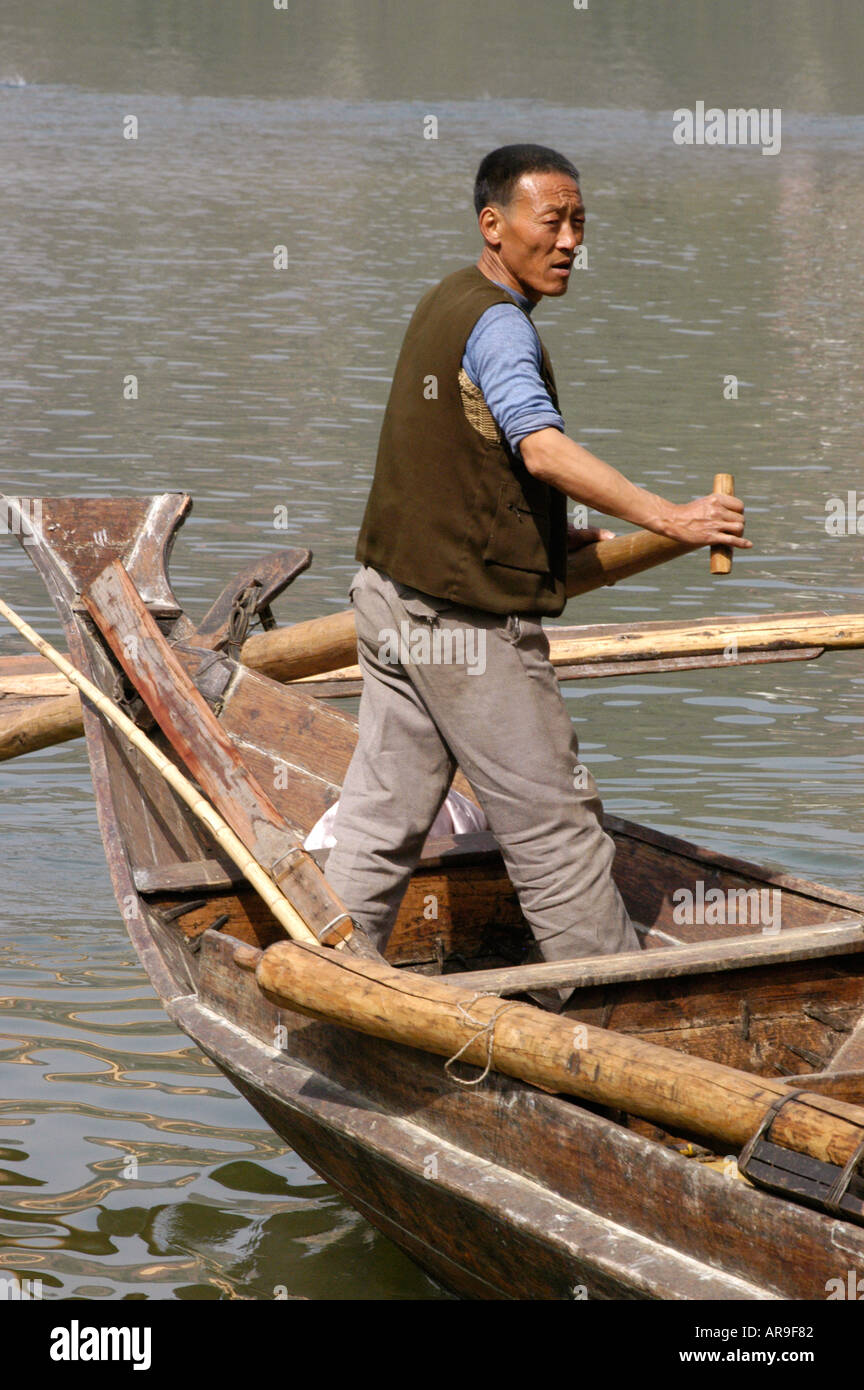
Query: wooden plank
[[184, 715], [838, 632], [664, 627], [271, 574], [477, 916], [186, 876], [259, 712], [347, 681], [648, 666], [728, 953], [753, 1019], [850, 1054], [741, 870], [843, 1085], [194, 731], [307, 777], [97, 530]]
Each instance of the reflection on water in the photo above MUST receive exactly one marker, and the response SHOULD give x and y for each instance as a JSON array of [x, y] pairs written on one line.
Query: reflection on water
[[128, 1167]]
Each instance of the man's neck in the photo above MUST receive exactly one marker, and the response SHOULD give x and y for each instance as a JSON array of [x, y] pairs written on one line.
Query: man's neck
[[494, 269], [519, 298]]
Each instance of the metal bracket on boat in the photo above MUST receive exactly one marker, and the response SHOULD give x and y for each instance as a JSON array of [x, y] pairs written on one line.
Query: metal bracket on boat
[[124, 694], [212, 674], [825, 1186], [337, 929], [298, 876]]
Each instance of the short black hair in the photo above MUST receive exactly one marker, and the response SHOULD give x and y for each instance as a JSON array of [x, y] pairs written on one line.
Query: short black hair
[[501, 170]]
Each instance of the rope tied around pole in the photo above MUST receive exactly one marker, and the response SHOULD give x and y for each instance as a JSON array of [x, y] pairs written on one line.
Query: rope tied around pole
[[242, 616], [487, 1027]]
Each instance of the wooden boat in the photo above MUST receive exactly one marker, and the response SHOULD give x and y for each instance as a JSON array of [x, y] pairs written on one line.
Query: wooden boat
[[498, 1189]]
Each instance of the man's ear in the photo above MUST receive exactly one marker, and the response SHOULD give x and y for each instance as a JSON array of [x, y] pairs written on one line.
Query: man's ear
[[489, 221]]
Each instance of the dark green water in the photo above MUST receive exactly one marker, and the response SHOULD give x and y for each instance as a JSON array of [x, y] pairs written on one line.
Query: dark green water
[[262, 389]]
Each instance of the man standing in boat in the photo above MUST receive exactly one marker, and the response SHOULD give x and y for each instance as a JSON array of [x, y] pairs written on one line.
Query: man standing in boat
[[465, 535]]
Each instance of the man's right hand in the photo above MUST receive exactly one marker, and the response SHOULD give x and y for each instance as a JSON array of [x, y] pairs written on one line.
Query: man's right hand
[[712, 520], [555, 459]]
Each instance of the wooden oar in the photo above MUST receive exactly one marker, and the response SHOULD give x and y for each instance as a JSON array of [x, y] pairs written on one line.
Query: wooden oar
[[279, 905], [673, 1089], [621, 648], [713, 635], [329, 644], [325, 644]]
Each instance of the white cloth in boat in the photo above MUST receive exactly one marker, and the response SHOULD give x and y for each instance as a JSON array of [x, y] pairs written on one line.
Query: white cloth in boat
[[458, 816]]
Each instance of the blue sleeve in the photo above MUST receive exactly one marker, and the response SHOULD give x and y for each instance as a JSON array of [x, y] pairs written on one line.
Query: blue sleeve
[[503, 357]]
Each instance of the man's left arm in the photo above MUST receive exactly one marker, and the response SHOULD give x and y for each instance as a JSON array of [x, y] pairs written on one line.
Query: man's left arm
[[713, 520]]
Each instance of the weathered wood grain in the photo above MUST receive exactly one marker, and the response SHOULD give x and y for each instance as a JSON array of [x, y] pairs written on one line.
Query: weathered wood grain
[[533, 1193], [803, 943], [632, 1075], [193, 730]]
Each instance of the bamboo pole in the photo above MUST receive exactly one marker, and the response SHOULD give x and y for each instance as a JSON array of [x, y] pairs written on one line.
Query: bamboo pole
[[279, 905], [842, 632], [837, 633], [673, 1089]]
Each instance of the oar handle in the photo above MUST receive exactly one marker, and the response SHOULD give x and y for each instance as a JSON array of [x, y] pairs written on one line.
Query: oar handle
[[721, 555]]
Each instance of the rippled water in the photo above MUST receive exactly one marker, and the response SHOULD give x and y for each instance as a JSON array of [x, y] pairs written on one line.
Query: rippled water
[[262, 389]]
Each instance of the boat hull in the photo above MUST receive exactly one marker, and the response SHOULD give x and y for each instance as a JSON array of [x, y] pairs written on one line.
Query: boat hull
[[497, 1189]]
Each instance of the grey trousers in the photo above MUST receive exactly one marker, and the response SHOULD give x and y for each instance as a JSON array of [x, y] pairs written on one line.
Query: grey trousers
[[446, 685]]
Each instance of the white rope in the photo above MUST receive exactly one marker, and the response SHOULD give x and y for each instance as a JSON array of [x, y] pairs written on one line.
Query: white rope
[[487, 1027]]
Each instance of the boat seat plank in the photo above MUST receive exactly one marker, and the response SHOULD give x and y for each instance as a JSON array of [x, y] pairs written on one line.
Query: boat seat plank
[[729, 953], [186, 876]]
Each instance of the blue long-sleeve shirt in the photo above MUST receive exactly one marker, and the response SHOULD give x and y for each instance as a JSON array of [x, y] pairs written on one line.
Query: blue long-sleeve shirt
[[503, 357]]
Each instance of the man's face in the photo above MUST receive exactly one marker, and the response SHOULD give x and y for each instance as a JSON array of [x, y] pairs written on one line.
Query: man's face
[[540, 231]]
